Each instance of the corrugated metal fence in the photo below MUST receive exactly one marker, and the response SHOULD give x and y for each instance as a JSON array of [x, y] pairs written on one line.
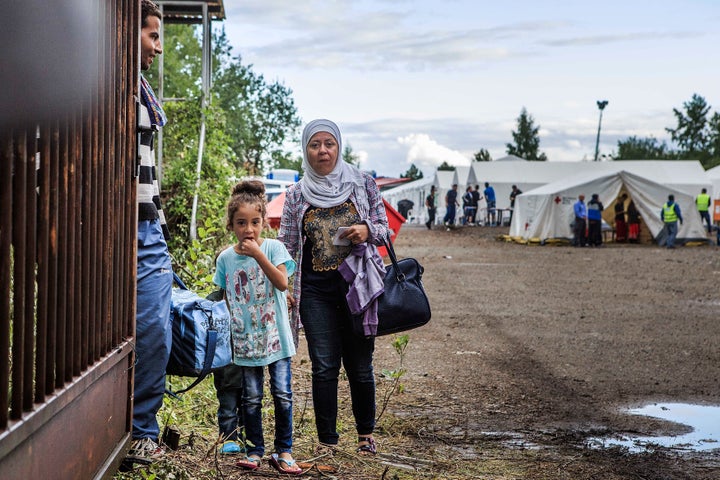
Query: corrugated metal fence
[[67, 259]]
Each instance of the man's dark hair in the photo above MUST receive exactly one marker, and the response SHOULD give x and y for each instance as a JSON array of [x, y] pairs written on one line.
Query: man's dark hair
[[671, 197], [149, 8]]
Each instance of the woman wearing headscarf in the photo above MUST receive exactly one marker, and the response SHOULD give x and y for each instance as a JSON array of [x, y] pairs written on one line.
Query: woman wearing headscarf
[[332, 194]]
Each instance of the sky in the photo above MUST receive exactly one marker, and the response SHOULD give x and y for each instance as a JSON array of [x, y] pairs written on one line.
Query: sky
[[425, 82]]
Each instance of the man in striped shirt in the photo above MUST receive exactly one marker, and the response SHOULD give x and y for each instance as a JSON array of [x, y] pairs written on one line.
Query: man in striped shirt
[[153, 332]]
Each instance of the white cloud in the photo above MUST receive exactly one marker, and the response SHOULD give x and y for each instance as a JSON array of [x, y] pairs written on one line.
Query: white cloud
[[428, 154]]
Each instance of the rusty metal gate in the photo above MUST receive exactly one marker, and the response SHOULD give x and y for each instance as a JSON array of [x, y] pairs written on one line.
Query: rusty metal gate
[[67, 272]]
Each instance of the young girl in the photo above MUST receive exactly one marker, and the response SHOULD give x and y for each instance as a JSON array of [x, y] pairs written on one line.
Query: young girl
[[254, 274]]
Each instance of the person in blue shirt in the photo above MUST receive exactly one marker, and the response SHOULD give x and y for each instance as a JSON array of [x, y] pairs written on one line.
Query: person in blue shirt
[[579, 225], [489, 193], [670, 215], [594, 216]]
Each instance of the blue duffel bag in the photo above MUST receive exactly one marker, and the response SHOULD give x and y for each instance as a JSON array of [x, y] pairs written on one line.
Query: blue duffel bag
[[200, 335]]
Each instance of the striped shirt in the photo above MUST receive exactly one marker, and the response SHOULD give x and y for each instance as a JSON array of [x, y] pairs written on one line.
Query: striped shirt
[[148, 192]]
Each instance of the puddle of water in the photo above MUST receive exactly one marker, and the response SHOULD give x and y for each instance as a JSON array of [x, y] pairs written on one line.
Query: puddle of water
[[704, 420]]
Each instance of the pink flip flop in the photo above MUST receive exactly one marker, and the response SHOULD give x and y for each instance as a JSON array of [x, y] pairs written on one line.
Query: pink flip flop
[[250, 463], [290, 466]]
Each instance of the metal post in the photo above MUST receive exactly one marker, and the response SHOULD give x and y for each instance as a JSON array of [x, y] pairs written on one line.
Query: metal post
[[601, 105]]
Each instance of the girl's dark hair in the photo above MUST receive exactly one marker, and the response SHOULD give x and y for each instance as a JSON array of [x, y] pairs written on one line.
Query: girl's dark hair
[[246, 192]]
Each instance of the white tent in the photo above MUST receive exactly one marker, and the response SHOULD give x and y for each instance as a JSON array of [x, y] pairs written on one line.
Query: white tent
[[685, 175], [415, 191], [547, 212]]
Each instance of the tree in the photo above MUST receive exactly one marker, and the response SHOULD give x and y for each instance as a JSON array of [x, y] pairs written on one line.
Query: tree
[[714, 140], [483, 156], [634, 148], [527, 141], [691, 133], [413, 173], [446, 166], [349, 156], [261, 118]]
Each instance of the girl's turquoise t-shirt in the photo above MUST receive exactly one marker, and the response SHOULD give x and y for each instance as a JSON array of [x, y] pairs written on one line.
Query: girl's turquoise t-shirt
[[260, 329]]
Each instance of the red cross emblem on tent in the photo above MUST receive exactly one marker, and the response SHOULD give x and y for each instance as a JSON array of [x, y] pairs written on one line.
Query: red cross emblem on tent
[[557, 200]]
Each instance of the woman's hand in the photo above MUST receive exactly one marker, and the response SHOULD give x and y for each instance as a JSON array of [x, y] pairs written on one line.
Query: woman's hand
[[357, 233]]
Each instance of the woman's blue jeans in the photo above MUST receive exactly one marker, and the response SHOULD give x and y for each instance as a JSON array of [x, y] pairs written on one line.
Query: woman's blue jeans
[[331, 342], [281, 390]]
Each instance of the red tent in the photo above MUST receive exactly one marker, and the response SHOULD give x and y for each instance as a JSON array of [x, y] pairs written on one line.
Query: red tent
[[275, 208]]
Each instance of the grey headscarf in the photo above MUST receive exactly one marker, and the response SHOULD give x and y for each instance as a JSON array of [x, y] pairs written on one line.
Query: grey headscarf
[[329, 190]]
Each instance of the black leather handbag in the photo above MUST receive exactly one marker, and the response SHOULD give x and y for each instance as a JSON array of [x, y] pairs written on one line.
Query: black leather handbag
[[404, 304]]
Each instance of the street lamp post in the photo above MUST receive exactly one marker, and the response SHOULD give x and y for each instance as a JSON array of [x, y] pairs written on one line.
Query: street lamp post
[[601, 105]]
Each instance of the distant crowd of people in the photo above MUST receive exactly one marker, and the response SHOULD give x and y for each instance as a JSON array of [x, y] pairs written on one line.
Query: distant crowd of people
[[470, 206]]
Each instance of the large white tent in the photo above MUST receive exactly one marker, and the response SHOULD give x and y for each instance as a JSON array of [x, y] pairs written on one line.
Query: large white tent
[[415, 191], [688, 176], [547, 212]]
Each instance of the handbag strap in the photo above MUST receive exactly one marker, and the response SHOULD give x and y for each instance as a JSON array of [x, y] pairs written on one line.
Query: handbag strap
[[179, 281], [212, 336], [393, 258]]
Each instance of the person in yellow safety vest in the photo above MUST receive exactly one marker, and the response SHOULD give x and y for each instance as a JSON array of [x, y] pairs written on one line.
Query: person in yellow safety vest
[[703, 205], [670, 214]]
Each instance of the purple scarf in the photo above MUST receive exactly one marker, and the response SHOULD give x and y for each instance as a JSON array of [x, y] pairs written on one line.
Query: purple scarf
[[157, 114]]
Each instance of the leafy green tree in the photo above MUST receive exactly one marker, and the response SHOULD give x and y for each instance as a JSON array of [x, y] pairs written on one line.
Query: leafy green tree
[[691, 133], [262, 117], [483, 156], [349, 156], [714, 140], [634, 148], [527, 141], [413, 173], [446, 166]]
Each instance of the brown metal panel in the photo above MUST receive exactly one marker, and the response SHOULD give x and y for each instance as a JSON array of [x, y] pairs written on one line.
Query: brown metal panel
[[29, 259], [75, 242], [86, 215], [52, 260], [19, 214], [43, 278], [96, 407], [6, 228], [63, 347]]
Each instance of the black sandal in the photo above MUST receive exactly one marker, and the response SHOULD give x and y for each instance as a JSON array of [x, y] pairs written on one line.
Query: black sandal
[[367, 447]]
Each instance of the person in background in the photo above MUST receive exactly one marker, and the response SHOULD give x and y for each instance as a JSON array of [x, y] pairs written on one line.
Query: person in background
[[579, 225], [476, 202], [153, 337], [633, 218], [468, 209], [594, 216], [431, 207], [703, 205], [333, 194], [254, 275], [513, 195], [670, 215], [489, 193], [451, 204], [620, 225]]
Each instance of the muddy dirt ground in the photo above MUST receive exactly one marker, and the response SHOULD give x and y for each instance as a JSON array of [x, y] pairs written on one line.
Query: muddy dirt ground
[[546, 345], [531, 351]]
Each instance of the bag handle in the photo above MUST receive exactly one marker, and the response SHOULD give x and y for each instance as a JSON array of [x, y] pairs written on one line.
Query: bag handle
[[393, 258], [179, 281]]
